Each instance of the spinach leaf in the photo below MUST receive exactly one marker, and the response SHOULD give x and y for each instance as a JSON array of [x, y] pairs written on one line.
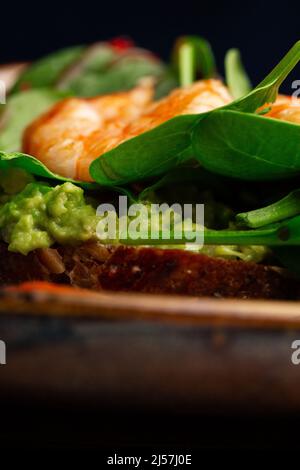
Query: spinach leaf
[[92, 62], [267, 90], [252, 157], [46, 71], [20, 109], [237, 79], [247, 146], [187, 69], [286, 233], [205, 60], [203, 57], [96, 69], [35, 167], [287, 207], [106, 72], [151, 154], [279, 234]]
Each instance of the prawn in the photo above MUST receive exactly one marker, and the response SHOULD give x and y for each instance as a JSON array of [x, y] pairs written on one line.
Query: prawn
[[76, 131], [285, 108], [61, 136]]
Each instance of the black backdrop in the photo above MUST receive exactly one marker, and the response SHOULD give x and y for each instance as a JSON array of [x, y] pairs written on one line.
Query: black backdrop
[[262, 30]]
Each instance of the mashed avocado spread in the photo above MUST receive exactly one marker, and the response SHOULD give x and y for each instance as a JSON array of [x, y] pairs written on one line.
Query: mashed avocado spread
[[38, 215]]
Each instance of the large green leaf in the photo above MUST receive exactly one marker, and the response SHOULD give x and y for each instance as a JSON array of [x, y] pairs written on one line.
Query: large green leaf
[[153, 153], [247, 146]]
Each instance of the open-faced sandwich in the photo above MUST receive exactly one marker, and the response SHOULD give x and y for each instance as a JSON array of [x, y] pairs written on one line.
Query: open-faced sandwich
[[93, 125]]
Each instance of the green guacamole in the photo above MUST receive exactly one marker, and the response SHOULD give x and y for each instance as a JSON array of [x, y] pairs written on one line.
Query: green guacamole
[[35, 215], [40, 215]]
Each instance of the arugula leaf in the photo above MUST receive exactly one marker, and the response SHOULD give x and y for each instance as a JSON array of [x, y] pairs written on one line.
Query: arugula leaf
[[46, 71], [247, 146], [151, 154], [35, 167], [20, 109], [237, 79]]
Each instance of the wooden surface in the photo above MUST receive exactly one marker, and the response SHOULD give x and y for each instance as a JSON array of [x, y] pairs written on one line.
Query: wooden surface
[[149, 353], [118, 306], [148, 365]]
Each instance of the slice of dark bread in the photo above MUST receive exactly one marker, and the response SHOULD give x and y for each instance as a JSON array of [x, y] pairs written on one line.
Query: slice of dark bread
[[151, 270]]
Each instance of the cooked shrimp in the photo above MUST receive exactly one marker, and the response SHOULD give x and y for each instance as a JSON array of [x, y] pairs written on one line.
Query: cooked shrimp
[[286, 108], [60, 137], [76, 131]]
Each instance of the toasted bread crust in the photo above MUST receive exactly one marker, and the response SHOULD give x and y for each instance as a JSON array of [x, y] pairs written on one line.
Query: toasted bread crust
[[176, 272], [151, 270]]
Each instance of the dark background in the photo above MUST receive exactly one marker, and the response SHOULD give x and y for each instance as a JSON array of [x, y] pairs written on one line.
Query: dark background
[[263, 31]]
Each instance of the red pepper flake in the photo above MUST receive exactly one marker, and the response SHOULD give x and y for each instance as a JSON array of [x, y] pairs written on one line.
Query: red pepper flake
[[121, 44]]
